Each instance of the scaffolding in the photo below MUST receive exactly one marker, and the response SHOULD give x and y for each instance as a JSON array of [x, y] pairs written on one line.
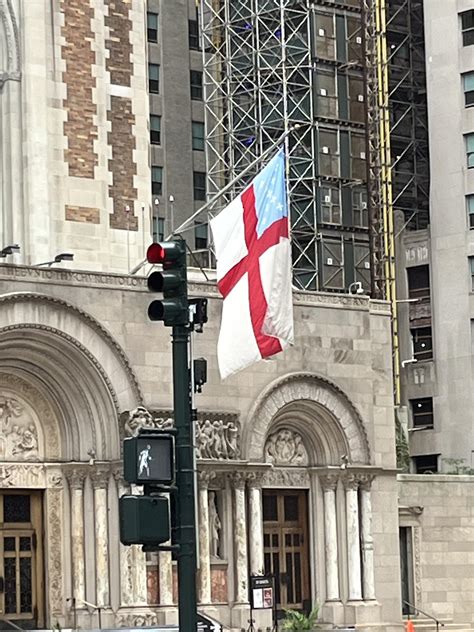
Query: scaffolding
[[273, 64]]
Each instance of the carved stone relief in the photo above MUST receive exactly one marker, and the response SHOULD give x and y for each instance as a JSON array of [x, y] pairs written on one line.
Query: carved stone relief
[[215, 527], [22, 475], [285, 478], [18, 434], [55, 575], [217, 435], [133, 620], [285, 447]]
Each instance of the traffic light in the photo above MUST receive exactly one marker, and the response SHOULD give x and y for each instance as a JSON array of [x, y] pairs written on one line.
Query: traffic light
[[144, 520], [171, 281]]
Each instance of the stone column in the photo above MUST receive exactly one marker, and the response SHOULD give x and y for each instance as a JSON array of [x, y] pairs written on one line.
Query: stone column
[[367, 542], [100, 479], [204, 588], [126, 586], [256, 524], [76, 478], [353, 542], [329, 485], [240, 535], [138, 568], [165, 570]]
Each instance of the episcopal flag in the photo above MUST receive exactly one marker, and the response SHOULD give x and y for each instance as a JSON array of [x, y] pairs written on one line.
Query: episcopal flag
[[254, 271]]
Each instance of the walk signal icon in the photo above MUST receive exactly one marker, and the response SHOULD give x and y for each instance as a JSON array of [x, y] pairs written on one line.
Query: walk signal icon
[[149, 459]]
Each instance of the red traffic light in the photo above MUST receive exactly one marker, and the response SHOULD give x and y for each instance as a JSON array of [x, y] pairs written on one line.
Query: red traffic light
[[156, 253], [166, 251]]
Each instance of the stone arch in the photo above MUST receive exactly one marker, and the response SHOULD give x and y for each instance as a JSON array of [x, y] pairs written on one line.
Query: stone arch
[[74, 364], [11, 52], [318, 410]]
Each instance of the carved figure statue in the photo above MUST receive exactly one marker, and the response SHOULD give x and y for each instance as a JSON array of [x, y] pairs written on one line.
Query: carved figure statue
[[215, 526], [285, 447], [18, 435]]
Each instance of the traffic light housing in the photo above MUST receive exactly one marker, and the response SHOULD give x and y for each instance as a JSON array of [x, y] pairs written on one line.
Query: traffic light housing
[[144, 520], [173, 309]]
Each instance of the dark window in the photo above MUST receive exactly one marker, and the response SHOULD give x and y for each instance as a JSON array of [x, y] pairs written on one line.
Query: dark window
[[157, 180], [426, 464], [155, 129], [198, 136], [467, 27], [422, 343], [360, 213], [422, 412], [290, 504], [470, 210], [468, 85], [196, 85], [193, 34], [16, 508], [158, 228], [200, 236], [471, 269], [270, 509], [152, 26], [406, 567], [470, 150], [199, 185], [330, 205], [154, 78], [419, 282]]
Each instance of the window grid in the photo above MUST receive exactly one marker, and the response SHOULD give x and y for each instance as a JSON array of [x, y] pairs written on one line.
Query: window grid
[[152, 27], [468, 84], [422, 412], [200, 236], [196, 85], [199, 185], [154, 78], [471, 268], [422, 343], [470, 211], [157, 180], [155, 129], [198, 135], [193, 34], [426, 464], [470, 150], [467, 27]]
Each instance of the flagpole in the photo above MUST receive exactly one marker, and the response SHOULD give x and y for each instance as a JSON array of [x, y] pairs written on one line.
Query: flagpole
[[185, 225]]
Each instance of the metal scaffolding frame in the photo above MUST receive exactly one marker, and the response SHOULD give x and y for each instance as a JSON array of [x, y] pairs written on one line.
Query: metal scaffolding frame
[[271, 64]]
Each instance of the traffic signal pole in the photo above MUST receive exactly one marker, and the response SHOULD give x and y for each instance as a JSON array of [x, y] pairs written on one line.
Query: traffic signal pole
[[187, 565]]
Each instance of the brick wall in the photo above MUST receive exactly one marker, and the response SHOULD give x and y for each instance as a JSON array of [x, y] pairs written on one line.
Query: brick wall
[[82, 214], [80, 128], [121, 117]]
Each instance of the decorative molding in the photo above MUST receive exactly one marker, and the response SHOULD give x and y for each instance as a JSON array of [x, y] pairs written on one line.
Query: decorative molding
[[18, 433], [18, 387], [285, 447], [217, 434], [137, 620], [365, 481], [350, 481], [76, 475], [23, 475], [238, 480], [311, 388], [18, 297], [10, 27], [255, 479], [417, 565], [285, 477], [54, 550], [100, 475]]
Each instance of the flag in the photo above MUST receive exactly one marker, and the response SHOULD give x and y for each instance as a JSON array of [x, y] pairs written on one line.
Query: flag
[[254, 271]]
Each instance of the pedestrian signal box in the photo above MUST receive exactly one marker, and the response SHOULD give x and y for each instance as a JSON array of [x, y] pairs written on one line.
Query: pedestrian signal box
[[144, 520], [149, 459]]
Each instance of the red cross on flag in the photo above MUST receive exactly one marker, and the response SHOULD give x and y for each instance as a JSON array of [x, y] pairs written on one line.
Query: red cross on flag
[[254, 271]]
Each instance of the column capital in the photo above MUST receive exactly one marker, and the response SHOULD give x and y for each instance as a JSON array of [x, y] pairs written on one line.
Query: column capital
[[205, 477], [365, 481], [350, 481], [100, 477], [238, 480], [329, 482], [76, 476], [255, 480]]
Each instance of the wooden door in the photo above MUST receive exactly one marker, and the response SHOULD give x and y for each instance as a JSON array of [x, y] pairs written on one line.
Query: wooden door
[[21, 563], [286, 550]]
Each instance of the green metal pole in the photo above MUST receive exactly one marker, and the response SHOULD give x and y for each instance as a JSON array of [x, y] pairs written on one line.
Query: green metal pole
[[187, 601]]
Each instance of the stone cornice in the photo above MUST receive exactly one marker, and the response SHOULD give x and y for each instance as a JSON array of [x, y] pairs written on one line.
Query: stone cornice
[[113, 281]]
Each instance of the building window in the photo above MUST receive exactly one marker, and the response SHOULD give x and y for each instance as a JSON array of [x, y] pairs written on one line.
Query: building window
[[152, 27], [422, 412], [154, 78], [406, 568], [198, 135], [200, 236], [470, 210], [471, 269], [419, 282], [426, 464], [470, 150], [330, 205], [158, 228], [199, 185], [193, 34], [468, 84], [329, 153], [155, 129], [422, 343], [157, 180], [467, 26], [196, 85], [360, 212]]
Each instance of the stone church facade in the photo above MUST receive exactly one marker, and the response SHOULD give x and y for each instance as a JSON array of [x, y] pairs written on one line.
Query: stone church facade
[[296, 458]]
